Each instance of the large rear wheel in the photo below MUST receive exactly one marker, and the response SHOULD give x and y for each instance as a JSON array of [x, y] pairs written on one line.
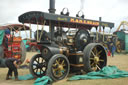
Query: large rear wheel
[[94, 58], [58, 67], [38, 66]]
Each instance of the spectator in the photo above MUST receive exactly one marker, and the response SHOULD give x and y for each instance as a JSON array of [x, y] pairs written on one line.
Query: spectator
[[113, 48]]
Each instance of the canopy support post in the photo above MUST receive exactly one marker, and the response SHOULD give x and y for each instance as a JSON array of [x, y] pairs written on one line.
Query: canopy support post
[[103, 33], [30, 31]]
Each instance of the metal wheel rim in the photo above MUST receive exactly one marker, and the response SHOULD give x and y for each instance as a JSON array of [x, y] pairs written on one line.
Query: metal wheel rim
[[59, 68], [96, 59], [39, 66]]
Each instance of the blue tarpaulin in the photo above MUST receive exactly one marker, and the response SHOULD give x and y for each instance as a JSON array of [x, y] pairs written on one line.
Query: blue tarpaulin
[[26, 77], [108, 72], [45, 80]]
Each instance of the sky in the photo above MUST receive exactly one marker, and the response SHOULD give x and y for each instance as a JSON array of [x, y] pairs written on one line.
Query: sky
[[110, 10]]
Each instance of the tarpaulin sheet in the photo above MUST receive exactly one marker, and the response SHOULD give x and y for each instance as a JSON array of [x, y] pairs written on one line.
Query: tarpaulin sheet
[[26, 77], [45, 80], [108, 72], [1, 36]]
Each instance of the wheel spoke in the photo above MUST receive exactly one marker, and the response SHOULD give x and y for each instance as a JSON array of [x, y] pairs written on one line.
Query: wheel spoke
[[37, 70], [95, 50], [37, 61], [91, 58], [43, 60], [40, 71], [57, 62], [63, 65], [54, 65], [92, 64], [98, 67], [62, 62], [101, 60], [98, 53], [55, 69], [93, 53]]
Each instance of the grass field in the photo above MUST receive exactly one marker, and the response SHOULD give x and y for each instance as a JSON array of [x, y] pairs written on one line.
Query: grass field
[[121, 61]]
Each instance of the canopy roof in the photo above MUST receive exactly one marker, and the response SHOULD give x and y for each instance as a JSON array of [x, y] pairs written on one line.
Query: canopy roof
[[37, 17], [13, 27]]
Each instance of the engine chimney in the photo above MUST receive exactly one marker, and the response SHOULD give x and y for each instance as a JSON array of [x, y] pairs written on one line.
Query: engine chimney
[[52, 6], [52, 10]]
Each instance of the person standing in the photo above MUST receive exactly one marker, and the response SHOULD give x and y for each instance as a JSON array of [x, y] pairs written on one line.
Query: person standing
[[12, 65], [113, 49]]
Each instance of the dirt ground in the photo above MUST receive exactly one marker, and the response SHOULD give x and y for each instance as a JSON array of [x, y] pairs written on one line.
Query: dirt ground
[[120, 60]]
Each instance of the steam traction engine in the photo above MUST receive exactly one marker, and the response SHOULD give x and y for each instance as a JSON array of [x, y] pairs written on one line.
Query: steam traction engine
[[63, 51]]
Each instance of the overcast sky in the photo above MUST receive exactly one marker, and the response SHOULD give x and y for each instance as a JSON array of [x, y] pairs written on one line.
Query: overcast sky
[[110, 10]]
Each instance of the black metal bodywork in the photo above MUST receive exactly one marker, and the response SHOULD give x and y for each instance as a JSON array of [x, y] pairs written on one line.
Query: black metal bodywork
[[70, 48], [35, 17]]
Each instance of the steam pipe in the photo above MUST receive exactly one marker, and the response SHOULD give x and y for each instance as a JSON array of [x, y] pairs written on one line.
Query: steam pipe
[[52, 10], [100, 24], [52, 6]]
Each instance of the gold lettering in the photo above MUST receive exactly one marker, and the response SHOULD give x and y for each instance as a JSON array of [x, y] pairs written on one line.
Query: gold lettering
[[63, 19], [72, 20], [88, 22], [77, 20], [106, 25], [95, 23], [84, 22], [80, 21]]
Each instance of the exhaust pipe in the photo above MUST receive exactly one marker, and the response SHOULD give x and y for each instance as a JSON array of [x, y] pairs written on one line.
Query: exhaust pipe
[[52, 6]]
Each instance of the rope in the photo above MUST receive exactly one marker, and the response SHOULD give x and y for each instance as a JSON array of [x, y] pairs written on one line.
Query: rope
[[20, 31], [37, 32], [103, 34], [30, 30], [42, 30], [25, 30], [96, 34]]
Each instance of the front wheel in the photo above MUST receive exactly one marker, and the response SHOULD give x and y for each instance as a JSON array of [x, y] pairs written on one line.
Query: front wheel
[[38, 66], [58, 67], [95, 57]]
